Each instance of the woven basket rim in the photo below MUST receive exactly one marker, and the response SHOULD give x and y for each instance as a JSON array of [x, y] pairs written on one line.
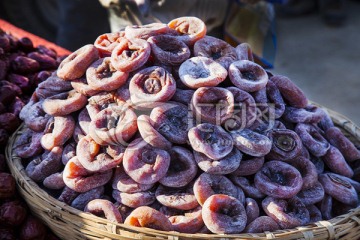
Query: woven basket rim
[[56, 210]]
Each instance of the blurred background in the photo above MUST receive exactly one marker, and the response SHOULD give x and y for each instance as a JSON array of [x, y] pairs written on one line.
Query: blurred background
[[323, 60], [315, 43]]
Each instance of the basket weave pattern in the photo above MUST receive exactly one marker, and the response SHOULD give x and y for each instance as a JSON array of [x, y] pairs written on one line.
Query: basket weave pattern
[[70, 223]]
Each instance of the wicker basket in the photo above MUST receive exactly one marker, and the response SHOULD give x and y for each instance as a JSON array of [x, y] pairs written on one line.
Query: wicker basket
[[70, 223]]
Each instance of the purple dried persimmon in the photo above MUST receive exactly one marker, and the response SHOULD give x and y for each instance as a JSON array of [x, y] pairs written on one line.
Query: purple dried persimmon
[[341, 142], [150, 86], [172, 121], [113, 125], [84, 198], [199, 72], [103, 76], [69, 152], [45, 62], [262, 224], [305, 153], [150, 134], [82, 86], [204, 230], [244, 114], [7, 185], [12, 213], [122, 94], [44, 165], [54, 181], [309, 114], [130, 55], [20, 80], [51, 86], [67, 195], [84, 120], [4, 136], [312, 138], [57, 131], [339, 188], [25, 44], [8, 91], [288, 213], [81, 180], [15, 106], [216, 49], [307, 170], [75, 65], [9, 122], [147, 30], [312, 195], [182, 96], [105, 43], [144, 163], [189, 29], [247, 75], [187, 221], [179, 198], [99, 102], [326, 207], [286, 144], [291, 93], [34, 116], [47, 51], [263, 104], [274, 97], [28, 144], [249, 165], [211, 140], [278, 179], [207, 185], [339, 208], [326, 122], [315, 213], [225, 165], [96, 158], [124, 183], [123, 209], [319, 164], [244, 52], [32, 228], [224, 214], [101, 207], [182, 169], [212, 104], [248, 186], [148, 217], [252, 209], [134, 200], [336, 162], [251, 142], [169, 50], [23, 64], [63, 104], [352, 181]]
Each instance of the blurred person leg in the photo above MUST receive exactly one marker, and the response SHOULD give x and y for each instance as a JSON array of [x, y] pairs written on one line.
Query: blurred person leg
[[80, 22]]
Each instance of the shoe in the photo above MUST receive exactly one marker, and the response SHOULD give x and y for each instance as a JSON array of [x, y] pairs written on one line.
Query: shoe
[[333, 11]]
